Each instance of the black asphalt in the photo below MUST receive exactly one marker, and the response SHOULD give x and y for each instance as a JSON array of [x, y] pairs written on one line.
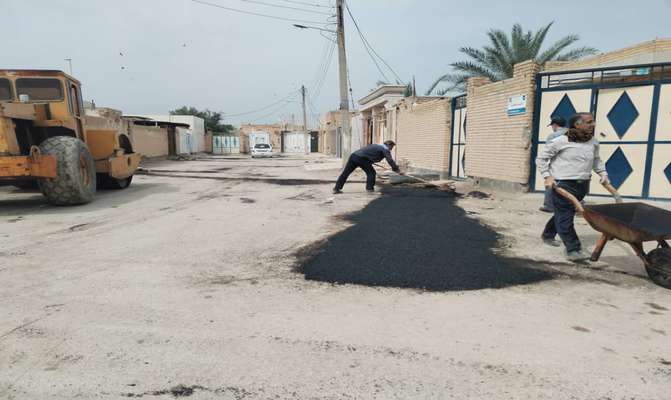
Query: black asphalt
[[416, 238]]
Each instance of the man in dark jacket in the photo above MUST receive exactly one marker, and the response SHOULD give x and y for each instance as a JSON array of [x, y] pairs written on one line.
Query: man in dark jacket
[[364, 159]]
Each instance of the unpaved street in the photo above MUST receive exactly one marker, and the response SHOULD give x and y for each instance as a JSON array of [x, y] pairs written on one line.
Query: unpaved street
[[184, 285]]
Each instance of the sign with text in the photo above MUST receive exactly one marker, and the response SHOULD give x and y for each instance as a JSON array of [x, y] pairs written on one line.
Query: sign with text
[[517, 105]]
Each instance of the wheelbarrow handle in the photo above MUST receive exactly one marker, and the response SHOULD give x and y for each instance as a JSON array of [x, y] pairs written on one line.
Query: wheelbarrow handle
[[570, 197], [614, 192]]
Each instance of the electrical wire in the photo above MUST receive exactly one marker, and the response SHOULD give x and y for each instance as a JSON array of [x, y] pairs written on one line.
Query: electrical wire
[[284, 99], [327, 66], [368, 46], [280, 108], [258, 14], [286, 7], [320, 66], [306, 3]]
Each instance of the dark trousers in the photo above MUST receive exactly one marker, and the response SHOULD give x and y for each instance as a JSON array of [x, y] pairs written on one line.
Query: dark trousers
[[547, 200], [562, 221], [353, 163]]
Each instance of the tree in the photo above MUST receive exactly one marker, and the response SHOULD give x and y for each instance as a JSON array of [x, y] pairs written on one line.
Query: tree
[[496, 60], [212, 118]]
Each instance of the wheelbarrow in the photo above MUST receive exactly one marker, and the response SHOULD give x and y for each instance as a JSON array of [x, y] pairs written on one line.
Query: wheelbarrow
[[633, 223]]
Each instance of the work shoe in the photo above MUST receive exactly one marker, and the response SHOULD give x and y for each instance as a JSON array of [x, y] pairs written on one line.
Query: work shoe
[[546, 209], [551, 241], [577, 256], [337, 191]]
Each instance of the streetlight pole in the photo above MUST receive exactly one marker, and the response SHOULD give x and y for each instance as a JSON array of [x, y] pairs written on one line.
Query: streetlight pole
[[344, 145], [346, 134]]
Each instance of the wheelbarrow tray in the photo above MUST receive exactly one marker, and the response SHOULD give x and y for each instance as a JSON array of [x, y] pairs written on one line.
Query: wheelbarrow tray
[[630, 222]]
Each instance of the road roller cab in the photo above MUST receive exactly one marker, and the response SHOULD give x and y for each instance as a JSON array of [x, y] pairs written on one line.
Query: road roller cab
[[44, 140]]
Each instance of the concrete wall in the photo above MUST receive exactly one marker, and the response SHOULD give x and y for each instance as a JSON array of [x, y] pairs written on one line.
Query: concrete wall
[[423, 134], [150, 141], [498, 145], [208, 142]]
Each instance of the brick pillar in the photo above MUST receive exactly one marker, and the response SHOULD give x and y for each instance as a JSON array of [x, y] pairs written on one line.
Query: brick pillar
[[526, 71]]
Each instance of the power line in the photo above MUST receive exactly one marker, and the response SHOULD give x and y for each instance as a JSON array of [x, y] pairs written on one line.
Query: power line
[[327, 66], [320, 66], [257, 14], [275, 111], [284, 99], [286, 7], [306, 3], [368, 45]]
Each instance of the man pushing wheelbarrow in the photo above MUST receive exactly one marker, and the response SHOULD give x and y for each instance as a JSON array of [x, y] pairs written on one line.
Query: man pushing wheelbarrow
[[566, 165], [567, 162]]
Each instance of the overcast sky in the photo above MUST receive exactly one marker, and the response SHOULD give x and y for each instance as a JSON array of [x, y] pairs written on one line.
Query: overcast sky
[[150, 56]]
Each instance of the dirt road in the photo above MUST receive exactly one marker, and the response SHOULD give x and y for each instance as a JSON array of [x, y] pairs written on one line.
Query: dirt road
[[184, 286]]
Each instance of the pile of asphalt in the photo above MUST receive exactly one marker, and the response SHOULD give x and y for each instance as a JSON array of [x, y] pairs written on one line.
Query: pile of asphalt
[[416, 238]]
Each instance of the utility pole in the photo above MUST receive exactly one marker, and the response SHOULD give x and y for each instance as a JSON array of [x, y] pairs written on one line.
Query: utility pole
[[305, 122], [69, 60], [346, 134]]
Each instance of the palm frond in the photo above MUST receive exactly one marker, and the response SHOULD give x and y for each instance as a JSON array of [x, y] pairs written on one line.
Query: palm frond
[[517, 42], [478, 55], [501, 44], [441, 79], [538, 39], [497, 59], [474, 69], [577, 54], [455, 81], [556, 48], [498, 63]]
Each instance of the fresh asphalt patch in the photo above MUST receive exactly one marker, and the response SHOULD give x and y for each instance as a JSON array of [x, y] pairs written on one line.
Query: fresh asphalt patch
[[416, 238]]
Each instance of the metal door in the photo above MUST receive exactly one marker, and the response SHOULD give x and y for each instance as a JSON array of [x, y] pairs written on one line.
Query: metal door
[[458, 142], [632, 108], [559, 103]]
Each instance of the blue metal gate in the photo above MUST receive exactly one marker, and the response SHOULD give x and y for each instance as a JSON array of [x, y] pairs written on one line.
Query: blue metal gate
[[632, 109]]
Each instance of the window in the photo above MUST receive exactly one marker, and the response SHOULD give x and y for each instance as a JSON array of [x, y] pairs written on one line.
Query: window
[[5, 90], [40, 89], [261, 146]]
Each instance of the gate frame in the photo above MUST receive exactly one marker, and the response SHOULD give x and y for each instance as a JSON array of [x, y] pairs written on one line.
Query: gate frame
[[453, 108], [595, 85]]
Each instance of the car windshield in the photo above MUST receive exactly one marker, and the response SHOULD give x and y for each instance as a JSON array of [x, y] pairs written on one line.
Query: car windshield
[[40, 89], [261, 146], [5, 90]]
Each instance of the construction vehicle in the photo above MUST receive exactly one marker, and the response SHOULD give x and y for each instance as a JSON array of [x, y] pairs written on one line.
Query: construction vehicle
[[45, 142]]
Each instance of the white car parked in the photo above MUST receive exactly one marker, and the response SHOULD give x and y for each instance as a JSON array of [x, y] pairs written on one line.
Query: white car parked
[[262, 150]]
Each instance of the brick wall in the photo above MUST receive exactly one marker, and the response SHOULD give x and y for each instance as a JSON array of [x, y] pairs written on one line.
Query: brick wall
[[654, 51], [498, 146], [423, 133]]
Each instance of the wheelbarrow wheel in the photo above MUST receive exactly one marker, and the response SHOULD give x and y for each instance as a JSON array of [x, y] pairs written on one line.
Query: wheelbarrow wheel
[[660, 271]]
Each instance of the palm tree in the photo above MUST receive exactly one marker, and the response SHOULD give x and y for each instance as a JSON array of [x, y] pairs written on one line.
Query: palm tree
[[496, 60]]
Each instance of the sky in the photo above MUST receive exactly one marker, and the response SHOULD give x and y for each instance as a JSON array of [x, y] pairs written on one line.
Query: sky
[[151, 56]]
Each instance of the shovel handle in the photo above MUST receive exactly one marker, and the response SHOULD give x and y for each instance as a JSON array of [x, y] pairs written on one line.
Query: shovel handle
[[570, 197]]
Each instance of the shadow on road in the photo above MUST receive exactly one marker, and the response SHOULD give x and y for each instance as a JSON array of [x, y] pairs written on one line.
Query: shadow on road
[[415, 238], [20, 202]]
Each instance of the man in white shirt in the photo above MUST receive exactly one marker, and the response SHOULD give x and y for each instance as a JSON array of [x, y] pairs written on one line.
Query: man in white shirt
[[559, 128], [568, 162]]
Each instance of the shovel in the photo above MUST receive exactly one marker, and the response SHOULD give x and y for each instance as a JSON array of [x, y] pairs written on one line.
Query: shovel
[[424, 181]]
